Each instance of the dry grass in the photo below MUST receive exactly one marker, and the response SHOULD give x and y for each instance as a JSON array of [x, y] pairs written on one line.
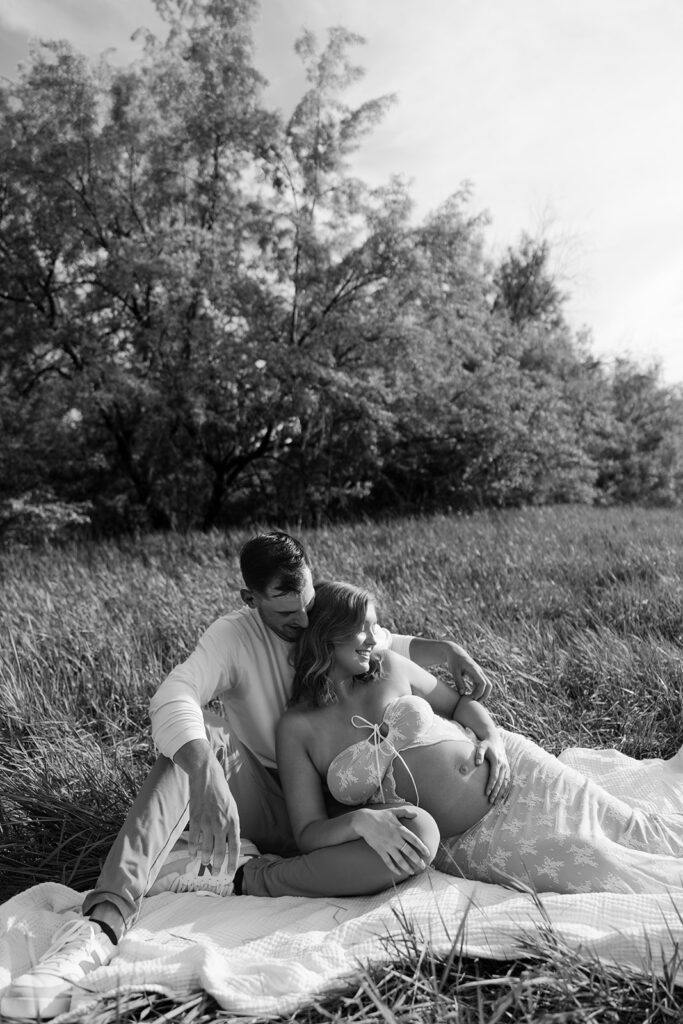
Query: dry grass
[[577, 614]]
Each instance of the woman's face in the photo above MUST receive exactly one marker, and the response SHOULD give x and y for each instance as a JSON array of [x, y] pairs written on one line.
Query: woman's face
[[352, 654]]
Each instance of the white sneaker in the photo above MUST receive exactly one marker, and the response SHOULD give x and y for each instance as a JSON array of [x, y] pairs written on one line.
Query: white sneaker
[[78, 948], [181, 873]]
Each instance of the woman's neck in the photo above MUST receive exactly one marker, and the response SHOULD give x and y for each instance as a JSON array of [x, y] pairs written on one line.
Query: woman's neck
[[342, 684]]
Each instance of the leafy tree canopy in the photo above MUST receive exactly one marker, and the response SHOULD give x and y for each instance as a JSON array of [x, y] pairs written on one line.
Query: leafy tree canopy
[[205, 317]]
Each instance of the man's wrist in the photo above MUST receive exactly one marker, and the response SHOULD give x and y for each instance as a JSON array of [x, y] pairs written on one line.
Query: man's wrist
[[194, 756], [455, 651]]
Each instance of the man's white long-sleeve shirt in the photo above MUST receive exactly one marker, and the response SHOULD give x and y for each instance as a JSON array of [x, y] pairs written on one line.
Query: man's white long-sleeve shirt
[[245, 664]]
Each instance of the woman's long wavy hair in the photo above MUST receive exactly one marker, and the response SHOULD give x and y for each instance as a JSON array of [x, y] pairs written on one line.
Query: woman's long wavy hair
[[339, 612]]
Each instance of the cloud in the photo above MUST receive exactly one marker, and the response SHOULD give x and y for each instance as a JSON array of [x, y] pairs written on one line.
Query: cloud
[[91, 27]]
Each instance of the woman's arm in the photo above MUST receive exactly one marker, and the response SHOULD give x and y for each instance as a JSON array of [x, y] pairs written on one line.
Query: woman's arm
[[400, 849], [302, 786], [448, 703], [442, 697], [472, 715]]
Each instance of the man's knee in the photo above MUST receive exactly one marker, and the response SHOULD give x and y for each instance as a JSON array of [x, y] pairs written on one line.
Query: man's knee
[[227, 749], [217, 730]]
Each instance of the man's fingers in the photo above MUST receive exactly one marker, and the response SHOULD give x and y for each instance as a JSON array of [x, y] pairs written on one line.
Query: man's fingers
[[206, 847], [219, 847], [462, 684], [193, 840], [233, 840], [481, 690], [481, 686]]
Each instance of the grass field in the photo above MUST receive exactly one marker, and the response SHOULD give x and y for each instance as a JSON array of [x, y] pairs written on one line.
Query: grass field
[[575, 613]]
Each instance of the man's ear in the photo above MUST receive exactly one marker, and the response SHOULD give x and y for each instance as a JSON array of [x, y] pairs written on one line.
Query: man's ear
[[247, 597]]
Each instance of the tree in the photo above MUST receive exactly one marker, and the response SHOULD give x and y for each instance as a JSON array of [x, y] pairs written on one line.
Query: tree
[[493, 420], [641, 458], [189, 286], [524, 288], [203, 313], [121, 220]]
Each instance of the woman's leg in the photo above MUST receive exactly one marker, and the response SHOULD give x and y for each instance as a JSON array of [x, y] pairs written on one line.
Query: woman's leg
[[350, 869], [557, 831]]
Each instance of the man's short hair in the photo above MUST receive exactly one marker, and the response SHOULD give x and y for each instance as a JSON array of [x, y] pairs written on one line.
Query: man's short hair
[[274, 560]]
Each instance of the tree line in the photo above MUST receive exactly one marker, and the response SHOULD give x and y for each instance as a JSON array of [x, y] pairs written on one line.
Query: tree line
[[206, 318]]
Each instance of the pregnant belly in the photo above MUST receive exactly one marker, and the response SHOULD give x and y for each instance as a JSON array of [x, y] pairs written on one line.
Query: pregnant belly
[[449, 784]]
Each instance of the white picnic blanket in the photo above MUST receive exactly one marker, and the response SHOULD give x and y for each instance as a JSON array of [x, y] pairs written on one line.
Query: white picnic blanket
[[266, 956]]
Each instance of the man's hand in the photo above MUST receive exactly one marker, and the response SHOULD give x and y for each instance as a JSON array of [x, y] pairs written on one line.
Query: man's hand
[[468, 676], [493, 749], [214, 818]]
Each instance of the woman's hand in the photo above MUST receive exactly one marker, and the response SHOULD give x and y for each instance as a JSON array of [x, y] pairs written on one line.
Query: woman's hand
[[492, 748], [400, 849]]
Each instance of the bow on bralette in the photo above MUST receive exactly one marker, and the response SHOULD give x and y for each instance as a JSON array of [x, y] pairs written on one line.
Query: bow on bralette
[[382, 744]]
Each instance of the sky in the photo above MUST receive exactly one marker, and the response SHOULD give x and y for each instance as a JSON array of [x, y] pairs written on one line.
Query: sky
[[565, 116]]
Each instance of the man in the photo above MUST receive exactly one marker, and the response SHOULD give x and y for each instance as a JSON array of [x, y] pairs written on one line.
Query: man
[[220, 774]]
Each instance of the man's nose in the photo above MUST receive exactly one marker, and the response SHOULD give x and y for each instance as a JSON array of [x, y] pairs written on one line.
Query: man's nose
[[302, 619]]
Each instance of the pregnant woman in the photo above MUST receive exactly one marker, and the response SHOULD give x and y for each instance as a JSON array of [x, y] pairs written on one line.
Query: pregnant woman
[[382, 736]]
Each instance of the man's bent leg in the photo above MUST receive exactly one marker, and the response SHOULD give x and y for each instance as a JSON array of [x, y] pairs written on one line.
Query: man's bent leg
[[149, 833], [349, 869], [160, 813], [153, 824]]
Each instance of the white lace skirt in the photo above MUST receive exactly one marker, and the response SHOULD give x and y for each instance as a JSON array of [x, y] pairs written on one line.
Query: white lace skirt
[[557, 831]]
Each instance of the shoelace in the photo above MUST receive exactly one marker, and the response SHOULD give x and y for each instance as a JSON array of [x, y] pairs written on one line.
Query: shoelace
[[195, 879], [384, 744], [220, 883]]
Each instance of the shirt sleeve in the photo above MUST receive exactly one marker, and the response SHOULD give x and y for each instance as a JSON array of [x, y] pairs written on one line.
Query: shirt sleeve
[[176, 707], [397, 642]]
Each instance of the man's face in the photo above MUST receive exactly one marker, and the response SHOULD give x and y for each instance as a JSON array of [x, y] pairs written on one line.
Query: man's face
[[286, 614]]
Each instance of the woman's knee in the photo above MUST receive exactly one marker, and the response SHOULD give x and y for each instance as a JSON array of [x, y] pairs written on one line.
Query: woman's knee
[[426, 829]]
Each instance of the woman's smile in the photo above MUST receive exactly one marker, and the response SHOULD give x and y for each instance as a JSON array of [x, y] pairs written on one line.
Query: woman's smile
[[352, 655]]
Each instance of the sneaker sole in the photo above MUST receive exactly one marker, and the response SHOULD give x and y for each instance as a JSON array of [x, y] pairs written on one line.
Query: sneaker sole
[[33, 1007]]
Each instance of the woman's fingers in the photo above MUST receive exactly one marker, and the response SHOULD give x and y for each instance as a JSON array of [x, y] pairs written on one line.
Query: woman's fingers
[[499, 769], [501, 783], [412, 852], [410, 855], [403, 811], [413, 844], [401, 850]]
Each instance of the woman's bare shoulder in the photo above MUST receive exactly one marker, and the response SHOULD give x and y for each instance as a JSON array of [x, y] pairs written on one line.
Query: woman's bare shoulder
[[296, 720], [401, 671]]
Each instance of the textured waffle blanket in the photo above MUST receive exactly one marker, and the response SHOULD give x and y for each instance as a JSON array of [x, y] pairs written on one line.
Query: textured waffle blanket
[[269, 956]]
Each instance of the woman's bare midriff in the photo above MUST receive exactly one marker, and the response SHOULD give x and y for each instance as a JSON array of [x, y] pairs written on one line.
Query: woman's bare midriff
[[449, 784]]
